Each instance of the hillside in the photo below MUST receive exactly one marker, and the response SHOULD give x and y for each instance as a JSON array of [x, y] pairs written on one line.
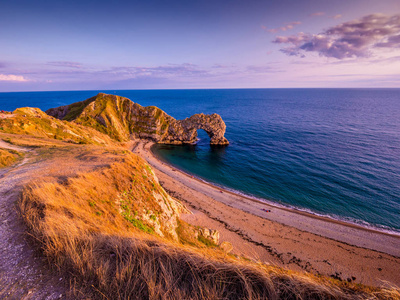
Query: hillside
[[34, 122]]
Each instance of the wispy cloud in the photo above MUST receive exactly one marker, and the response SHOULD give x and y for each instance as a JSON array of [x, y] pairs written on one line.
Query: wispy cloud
[[336, 17], [66, 64], [386, 60], [263, 69], [318, 14], [286, 27], [185, 69], [355, 38], [4, 77]]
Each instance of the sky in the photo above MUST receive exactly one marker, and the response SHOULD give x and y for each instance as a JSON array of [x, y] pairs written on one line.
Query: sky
[[181, 44]]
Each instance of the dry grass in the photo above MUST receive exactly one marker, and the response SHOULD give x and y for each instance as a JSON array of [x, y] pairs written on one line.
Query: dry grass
[[30, 141], [81, 226], [34, 122], [9, 157]]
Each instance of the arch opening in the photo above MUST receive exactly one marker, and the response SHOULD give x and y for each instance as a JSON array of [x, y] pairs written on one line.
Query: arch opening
[[202, 136]]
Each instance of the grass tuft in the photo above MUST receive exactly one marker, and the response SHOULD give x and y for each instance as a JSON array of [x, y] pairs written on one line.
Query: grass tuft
[[8, 157]]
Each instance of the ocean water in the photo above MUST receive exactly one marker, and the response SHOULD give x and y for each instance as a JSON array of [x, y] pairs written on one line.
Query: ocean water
[[333, 152]]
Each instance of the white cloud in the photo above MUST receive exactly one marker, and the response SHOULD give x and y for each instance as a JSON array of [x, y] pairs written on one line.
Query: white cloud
[[4, 77]]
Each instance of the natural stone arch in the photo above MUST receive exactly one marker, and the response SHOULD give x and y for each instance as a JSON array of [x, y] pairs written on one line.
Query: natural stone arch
[[213, 125]]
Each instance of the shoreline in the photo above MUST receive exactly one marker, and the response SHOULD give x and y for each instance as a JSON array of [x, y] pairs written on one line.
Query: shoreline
[[271, 203], [285, 237]]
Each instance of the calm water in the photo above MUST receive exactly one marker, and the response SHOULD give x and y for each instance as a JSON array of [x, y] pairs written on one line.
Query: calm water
[[334, 152]]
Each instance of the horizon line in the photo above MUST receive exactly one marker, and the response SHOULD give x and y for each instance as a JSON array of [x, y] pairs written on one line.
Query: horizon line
[[182, 89]]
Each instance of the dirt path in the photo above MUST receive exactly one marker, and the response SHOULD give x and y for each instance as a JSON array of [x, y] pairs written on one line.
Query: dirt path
[[23, 273]]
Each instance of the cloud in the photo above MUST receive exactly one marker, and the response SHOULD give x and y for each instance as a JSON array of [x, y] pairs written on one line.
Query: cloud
[[286, 27], [355, 38], [337, 17], [92, 75], [185, 69], [2, 65], [318, 14], [65, 64], [221, 66], [386, 60], [391, 42], [262, 69], [19, 78]]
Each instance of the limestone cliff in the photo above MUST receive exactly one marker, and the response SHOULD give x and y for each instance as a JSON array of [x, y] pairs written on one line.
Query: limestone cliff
[[122, 119]]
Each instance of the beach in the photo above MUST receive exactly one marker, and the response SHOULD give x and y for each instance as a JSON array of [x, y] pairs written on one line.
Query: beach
[[285, 237]]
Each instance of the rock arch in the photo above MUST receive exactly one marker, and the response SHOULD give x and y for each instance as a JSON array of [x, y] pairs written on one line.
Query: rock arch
[[212, 124]]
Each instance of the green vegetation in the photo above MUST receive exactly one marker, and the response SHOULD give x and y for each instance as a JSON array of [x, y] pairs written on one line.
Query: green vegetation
[[137, 223], [75, 109], [127, 214], [207, 242]]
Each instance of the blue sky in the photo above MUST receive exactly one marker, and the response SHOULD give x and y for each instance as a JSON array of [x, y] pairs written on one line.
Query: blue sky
[[80, 45]]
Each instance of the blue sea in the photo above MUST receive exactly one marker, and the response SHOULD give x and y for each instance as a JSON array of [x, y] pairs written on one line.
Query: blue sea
[[332, 152]]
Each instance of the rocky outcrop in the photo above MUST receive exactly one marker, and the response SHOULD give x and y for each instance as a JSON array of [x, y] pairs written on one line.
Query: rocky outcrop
[[210, 234], [226, 247], [122, 119]]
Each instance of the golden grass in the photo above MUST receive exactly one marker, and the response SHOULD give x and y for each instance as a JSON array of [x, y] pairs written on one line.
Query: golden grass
[[34, 122], [30, 141], [80, 225], [8, 157]]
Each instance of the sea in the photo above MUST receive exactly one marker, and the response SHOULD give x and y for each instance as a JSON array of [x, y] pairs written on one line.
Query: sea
[[330, 152]]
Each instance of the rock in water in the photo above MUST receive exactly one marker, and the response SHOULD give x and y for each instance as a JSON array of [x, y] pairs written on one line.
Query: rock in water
[[123, 119]]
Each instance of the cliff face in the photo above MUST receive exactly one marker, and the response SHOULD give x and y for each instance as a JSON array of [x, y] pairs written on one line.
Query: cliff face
[[122, 119]]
